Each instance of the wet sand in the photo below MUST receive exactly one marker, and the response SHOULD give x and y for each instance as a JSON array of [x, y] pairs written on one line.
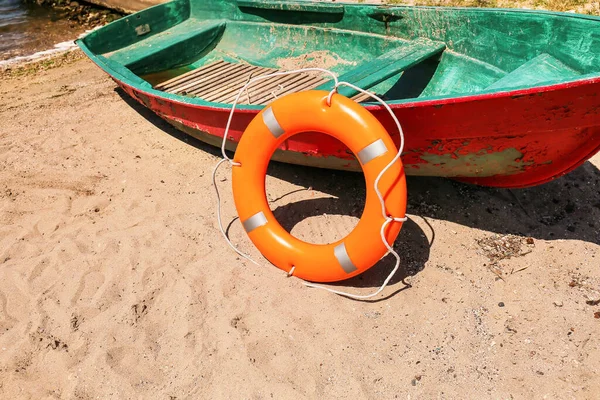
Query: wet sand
[[116, 283], [27, 28]]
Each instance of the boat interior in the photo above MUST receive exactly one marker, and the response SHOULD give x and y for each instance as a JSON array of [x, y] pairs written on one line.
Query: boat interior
[[206, 50]]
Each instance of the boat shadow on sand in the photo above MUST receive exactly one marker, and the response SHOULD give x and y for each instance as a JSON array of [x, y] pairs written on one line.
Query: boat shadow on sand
[[566, 208]]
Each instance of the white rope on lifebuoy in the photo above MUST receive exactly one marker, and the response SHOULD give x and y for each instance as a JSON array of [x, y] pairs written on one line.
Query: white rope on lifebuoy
[[387, 217]]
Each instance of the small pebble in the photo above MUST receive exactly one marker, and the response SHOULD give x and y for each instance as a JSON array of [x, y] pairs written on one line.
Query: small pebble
[[416, 379], [558, 303], [501, 304]]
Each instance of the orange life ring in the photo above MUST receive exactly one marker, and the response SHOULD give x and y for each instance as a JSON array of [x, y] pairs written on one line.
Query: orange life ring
[[364, 135]]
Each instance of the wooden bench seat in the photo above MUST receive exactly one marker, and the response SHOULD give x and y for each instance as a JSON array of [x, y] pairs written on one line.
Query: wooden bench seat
[[157, 51], [387, 65]]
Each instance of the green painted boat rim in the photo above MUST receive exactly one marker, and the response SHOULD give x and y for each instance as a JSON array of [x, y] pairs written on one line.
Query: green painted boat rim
[[143, 86], [437, 100]]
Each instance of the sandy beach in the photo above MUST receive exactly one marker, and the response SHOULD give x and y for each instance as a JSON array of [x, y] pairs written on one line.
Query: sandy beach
[[116, 284]]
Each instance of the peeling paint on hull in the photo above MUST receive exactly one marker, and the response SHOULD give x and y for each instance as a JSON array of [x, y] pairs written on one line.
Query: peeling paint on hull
[[480, 164]]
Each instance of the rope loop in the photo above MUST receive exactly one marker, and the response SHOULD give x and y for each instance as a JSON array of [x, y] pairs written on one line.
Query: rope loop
[[333, 91]]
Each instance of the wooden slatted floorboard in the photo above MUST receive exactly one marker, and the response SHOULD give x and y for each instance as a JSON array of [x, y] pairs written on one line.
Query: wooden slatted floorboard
[[221, 81]]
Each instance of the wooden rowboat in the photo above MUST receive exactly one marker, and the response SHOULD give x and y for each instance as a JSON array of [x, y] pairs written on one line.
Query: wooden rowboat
[[494, 97]]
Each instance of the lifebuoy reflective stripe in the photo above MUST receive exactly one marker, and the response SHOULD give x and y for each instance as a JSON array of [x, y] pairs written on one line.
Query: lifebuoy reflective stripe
[[364, 135]]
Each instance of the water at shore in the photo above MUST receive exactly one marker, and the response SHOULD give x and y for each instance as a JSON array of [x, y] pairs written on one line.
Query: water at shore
[[28, 28]]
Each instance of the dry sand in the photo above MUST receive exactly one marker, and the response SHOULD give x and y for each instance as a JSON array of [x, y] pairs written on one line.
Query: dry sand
[[115, 282]]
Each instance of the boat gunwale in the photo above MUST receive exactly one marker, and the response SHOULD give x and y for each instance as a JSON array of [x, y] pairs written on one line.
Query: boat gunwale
[[408, 103]]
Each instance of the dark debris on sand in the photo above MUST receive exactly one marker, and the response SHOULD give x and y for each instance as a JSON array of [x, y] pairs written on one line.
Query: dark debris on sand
[[85, 14], [501, 247]]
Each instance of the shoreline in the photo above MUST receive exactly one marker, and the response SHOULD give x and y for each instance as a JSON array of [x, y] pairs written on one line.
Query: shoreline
[[59, 48], [28, 67], [48, 27]]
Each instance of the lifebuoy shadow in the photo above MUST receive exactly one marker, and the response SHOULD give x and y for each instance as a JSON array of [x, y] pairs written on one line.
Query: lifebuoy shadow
[[412, 243]]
